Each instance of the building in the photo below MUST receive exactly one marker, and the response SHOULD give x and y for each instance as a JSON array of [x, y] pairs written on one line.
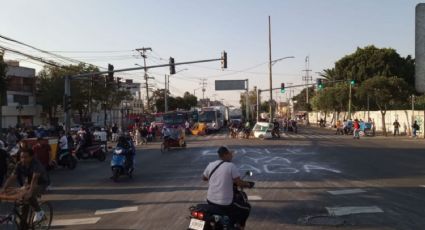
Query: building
[[136, 104], [20, 105]]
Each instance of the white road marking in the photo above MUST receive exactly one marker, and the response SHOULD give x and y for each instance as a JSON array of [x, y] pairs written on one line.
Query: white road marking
[[298, 184], [346, 191], [116, 210], [423, 186], [342, 211], [254, 197], [81, 221]]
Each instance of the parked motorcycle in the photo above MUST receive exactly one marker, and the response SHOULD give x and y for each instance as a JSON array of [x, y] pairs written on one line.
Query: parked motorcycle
[[91, 152], [120, 165], [210, 217]]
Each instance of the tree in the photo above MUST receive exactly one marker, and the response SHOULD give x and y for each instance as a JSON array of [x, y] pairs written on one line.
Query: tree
[[384, 92], [252, 100], [186, 102], [301, 100], [371, 61], [3, 84]]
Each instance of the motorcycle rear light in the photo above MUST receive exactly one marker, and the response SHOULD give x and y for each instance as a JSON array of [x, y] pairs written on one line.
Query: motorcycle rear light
[[200, 215], [194, 214]]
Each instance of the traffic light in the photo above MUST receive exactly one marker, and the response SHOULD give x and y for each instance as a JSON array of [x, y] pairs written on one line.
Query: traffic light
[[352, 82], [224, 60], [282, 87], [66, 103], [118, 82], [110, 74], [319, 84], [172, 66]]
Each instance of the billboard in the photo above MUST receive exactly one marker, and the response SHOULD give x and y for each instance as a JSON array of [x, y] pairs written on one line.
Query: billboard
[[230, 85]]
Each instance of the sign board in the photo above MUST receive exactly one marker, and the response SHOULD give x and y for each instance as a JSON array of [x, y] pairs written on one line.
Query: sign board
[[230, 85], [420, 48]]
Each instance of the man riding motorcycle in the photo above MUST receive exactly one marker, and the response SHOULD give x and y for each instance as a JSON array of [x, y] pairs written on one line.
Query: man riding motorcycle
[[127, 145], [221, 176]]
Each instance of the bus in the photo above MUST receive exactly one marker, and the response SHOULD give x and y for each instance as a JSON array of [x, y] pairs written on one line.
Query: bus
[[212, 117]]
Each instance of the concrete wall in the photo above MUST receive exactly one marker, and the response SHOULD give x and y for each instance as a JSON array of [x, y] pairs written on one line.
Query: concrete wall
[[404, 117]]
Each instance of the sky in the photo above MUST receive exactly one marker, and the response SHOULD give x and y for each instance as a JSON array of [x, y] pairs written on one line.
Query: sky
[[108, 31]]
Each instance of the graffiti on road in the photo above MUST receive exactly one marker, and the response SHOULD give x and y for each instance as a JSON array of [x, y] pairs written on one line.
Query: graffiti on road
[[266, 161]]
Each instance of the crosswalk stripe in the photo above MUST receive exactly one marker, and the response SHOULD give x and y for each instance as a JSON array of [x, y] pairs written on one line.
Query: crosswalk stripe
[[81, 221], [342, 211], [116, 210]]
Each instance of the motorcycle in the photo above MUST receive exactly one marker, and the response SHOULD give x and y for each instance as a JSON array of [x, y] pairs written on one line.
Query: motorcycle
[[172, 143], [276, 133], [209, 217], [67, 159], [120, 165], [91, 152]]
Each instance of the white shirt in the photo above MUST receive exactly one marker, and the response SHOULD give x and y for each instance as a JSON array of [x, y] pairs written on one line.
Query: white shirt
[[63, 142], [220, 189], [100, 135]]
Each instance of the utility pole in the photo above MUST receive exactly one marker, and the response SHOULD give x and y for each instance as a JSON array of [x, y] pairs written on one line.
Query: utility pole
[[349, 103], [307, 78], [258, 103], [166, 94], [68, 111], [247, 101], [203, 84], [270, 71], [143, 54]]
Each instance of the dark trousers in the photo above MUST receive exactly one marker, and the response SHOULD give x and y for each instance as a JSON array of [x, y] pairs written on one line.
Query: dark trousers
[[236, 214]]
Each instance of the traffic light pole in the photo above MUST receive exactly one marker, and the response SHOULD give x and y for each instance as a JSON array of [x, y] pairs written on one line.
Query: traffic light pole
[[68, 111], [84, 76], [349, 103]]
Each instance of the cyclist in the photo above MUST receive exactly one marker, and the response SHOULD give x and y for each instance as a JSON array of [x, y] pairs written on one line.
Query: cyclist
[[32, 172]]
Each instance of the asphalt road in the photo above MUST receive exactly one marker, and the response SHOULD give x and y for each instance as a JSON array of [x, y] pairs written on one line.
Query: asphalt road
[[312, 180]]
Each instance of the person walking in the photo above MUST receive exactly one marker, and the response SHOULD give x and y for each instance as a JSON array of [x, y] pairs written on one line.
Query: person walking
[[396, 128], [415, 127], [114, 130], [356, 131]]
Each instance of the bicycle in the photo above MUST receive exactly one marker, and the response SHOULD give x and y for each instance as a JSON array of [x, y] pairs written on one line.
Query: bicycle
[[22, 215]]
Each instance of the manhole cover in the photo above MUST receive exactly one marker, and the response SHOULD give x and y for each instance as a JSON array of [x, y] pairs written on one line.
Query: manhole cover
[[322, 220]]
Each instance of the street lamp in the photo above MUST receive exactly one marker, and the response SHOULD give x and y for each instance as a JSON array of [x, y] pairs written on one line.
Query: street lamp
[[271, 80]]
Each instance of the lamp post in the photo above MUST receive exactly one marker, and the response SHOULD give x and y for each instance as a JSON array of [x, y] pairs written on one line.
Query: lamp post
[[271, 76]]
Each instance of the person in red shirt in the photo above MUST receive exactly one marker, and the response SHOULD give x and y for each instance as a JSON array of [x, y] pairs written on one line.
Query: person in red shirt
[[356, 126], [42, 152]]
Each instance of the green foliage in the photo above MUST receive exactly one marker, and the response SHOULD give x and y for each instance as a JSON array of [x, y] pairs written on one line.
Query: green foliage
[[370, 61], [384, 92], [186, 102], [252, 99], [301, 99], [332, 98], [91, 91]]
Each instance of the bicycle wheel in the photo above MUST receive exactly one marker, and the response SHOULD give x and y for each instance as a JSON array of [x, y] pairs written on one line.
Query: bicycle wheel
[[10, 224], [48, 217]]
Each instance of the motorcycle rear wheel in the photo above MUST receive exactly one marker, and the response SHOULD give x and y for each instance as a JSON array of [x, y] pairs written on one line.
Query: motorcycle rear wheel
[[71, 163], [101, 156], [115, 174]]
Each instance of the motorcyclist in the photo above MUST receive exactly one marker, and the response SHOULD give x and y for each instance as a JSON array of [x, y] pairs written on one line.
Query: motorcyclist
[[221, 176], [275, 126], [126, 144]]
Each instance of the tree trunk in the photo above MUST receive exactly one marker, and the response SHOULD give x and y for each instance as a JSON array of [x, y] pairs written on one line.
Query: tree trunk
[[384, 129]]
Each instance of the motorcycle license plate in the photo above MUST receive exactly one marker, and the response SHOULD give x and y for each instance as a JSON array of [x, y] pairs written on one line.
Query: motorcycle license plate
[[196, 224]]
